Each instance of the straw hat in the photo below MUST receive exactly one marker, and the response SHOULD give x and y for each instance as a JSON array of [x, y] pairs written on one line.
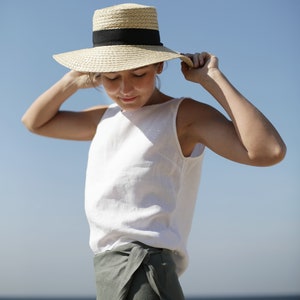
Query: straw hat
[[125, 36]]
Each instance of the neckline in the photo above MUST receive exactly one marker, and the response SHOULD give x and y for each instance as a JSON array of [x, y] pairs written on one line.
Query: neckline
[[145, 106]]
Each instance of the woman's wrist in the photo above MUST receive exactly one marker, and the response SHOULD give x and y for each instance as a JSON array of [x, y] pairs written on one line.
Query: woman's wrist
[[71, 80], [211, 78]]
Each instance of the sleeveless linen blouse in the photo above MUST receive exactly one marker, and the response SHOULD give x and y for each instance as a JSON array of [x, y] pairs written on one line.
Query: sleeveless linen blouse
[[139, 186]]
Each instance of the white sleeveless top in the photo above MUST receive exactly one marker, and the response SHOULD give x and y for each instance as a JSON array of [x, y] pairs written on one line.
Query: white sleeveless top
[[139, 186]]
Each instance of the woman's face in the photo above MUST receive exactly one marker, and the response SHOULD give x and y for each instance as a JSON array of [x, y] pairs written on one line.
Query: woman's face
[[132, 89]]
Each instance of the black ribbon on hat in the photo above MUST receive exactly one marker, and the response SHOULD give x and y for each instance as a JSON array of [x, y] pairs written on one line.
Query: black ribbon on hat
[[130, 36]]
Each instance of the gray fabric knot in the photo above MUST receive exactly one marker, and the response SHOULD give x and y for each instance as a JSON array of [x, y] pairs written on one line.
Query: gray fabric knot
[[115, 268]]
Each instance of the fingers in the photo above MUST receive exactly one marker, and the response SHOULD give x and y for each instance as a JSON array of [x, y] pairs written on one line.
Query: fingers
[[199, 59], [92, 79], [203, 64]]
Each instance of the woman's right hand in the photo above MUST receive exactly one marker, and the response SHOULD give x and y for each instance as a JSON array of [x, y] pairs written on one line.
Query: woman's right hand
[[84, 80]]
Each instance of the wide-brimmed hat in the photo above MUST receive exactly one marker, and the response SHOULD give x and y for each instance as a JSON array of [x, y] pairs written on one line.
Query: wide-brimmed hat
[[125, 36]]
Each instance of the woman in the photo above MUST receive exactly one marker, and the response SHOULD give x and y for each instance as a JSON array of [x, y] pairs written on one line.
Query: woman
[[147, 148]]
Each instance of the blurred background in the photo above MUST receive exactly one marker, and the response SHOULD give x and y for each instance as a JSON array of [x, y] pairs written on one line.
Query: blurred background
[[245, 239]]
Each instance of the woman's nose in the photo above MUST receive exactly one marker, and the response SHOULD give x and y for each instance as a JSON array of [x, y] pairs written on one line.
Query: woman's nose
[[126, 86]]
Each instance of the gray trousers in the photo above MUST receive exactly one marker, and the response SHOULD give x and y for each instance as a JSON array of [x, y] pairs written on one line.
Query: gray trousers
[[136, 272]]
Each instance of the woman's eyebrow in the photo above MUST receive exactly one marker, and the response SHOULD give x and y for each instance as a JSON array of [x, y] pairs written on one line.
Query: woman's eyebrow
[[139, 68]]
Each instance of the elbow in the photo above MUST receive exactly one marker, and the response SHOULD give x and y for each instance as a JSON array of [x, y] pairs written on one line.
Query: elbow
[[27, 122], [272, 156], [277, 155]]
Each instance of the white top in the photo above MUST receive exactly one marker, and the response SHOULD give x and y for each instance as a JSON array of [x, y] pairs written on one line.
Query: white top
[[139, 186]]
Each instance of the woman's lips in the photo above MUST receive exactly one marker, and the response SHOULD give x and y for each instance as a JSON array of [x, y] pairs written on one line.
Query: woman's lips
[[128, 99]]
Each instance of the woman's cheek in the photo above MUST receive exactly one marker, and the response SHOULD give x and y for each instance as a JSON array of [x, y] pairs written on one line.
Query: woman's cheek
[[110, 87]]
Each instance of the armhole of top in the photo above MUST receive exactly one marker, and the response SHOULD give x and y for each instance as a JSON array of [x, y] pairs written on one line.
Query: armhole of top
[[198, 149], [110, 110]]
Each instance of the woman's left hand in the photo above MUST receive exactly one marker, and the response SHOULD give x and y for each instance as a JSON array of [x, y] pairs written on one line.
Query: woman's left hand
[[204, 65]]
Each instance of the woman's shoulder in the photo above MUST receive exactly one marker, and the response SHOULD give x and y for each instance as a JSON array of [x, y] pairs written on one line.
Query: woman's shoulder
[[190, 107], [192, 112], [96, 113], [97, 110]]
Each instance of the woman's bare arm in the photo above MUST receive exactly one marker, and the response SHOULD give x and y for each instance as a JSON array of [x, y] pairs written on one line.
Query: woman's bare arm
[[44, 116], [248, 137]]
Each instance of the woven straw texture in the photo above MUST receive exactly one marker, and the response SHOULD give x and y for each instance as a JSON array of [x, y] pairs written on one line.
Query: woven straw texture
[[125, 16], [120, 57]]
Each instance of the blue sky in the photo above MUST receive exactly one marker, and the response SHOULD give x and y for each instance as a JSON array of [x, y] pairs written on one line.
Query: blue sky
[[246, 230]]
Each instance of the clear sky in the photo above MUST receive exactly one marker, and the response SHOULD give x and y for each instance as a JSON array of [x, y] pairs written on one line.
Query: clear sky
[[246, 230]]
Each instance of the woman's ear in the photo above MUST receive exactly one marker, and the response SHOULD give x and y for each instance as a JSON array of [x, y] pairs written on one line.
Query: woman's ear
[[160, 67]]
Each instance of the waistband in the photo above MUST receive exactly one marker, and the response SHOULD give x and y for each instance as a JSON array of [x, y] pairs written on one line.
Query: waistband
[[114, 269]]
